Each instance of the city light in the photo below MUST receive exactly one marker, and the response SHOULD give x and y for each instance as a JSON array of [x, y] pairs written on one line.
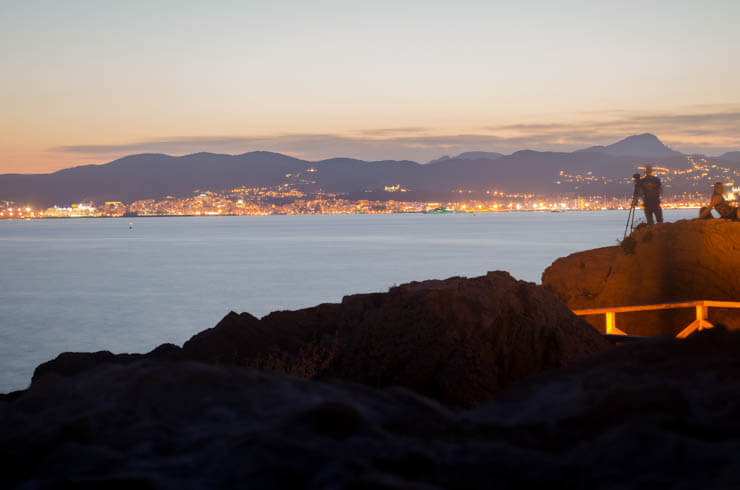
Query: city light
[[292, 197]]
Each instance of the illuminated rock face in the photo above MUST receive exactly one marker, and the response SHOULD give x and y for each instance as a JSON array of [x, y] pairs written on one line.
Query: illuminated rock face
[[668, 262], [457, 340]]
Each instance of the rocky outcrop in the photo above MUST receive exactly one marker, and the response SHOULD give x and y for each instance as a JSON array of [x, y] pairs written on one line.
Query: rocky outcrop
[[658, 414], [667, 262], [457, 340], [71, 363]]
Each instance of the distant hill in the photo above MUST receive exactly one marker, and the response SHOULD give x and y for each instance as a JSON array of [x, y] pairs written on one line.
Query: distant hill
[[596, 170], [479, 155], [346, 175], [470, 155], [148, 176], [732, 156], [641, 145]]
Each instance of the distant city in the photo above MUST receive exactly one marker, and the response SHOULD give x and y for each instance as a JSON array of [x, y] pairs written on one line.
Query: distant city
[[282, 200], [320, 188]]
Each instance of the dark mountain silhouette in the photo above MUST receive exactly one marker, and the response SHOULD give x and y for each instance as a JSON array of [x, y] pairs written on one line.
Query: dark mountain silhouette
[[153, 176], [471, 155], [641, 145], [524, 171], [732, 156], [149, 176], [350, 175], [480, 155]]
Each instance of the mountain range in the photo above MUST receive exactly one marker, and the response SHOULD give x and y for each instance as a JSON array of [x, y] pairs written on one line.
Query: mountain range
[[733, 156], [594, 170]]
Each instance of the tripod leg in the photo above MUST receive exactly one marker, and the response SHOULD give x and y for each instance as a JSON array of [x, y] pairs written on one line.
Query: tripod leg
[[627, 225], [634, 211], [630, 218]]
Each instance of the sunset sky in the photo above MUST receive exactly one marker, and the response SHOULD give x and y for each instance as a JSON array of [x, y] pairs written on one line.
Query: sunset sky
[[90, 81]]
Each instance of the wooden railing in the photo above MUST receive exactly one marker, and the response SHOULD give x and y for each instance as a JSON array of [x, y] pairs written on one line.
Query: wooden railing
[[701, 322]]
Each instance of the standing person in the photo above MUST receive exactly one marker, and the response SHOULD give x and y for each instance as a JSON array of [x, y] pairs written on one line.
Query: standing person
[[718, 202], [651, 191]]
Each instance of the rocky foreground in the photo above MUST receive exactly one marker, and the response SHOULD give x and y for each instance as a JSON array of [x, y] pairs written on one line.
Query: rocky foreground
[[660, 414], [667, 262], [458, 340], [386, 377]]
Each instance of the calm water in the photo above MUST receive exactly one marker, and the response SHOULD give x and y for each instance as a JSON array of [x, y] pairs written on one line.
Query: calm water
[[95, 284]]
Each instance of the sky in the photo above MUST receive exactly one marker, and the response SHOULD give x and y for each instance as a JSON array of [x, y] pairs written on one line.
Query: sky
[[91, 81]]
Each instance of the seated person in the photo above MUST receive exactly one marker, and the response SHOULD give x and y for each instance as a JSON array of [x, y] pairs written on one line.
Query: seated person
[[718, 202]]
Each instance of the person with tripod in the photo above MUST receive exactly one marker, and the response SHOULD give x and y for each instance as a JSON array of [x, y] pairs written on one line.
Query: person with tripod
[[650, 191]]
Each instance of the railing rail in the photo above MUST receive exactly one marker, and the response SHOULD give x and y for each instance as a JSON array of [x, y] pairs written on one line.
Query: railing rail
[[701, 306]]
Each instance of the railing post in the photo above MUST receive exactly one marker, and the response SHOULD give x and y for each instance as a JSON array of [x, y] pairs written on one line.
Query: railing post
[[611, 320], [700, 323], [702, 315]]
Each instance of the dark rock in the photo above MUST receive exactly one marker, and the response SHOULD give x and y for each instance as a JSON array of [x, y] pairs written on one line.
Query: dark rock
[[167, 352], [669, 409], [659, 414], [667, 262], [333, 419], [71, 363], [457, 340]]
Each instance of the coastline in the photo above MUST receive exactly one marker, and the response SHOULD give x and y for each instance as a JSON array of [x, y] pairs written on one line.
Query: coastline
[[337, 214]]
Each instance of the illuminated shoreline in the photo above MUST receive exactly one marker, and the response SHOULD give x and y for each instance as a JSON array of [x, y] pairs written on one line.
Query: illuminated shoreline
[[348, 213]]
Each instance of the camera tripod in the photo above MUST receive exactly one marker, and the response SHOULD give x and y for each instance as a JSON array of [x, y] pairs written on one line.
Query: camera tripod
[[635, 199]]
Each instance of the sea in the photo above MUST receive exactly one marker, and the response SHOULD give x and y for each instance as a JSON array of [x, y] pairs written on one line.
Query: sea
[[130, 284]]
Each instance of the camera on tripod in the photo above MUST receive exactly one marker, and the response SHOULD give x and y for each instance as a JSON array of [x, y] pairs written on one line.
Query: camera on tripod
[[636, 192]]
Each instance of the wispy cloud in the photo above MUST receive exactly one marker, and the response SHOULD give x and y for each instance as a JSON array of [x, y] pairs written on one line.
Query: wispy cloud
[[705, 132], [395, 131]]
